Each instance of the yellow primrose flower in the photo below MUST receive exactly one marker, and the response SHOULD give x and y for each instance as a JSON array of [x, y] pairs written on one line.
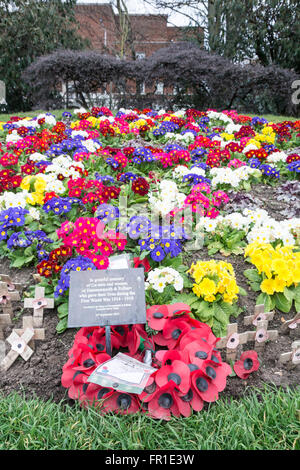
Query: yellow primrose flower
[[40, 185], [35, 198], [25, 184], [227, 136], [254, 142], [268, 286], [212, 278]]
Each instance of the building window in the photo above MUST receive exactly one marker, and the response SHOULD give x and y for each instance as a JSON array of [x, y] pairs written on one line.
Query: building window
[[140, 55], [159, 88], [141, 88]]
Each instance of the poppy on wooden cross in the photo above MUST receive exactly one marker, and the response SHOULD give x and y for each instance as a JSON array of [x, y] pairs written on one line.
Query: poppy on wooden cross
[[11, 285], [19, 347], [289, 325], [38, 303], [232, 340], [261, 335], [259, 315], [6, 298], [39, 333], [292, 358]]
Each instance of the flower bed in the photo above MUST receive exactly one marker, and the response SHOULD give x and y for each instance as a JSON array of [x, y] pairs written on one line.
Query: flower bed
[[74, 193]]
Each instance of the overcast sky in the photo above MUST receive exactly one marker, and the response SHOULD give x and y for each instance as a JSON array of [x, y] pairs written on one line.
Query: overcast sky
[[141, 6]]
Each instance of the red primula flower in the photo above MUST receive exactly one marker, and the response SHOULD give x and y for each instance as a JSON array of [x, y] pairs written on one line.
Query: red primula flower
[[247, 364], [140, 186]]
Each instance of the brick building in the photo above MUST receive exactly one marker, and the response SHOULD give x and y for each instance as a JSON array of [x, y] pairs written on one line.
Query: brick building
[[146, 33]]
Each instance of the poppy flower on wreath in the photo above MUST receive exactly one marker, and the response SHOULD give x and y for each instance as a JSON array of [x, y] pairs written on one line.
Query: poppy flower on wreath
[[79, 386], [157, 315], [188, 368], [172, 332], [196, 352], [247, 363], [162, 403], [95, 394], [178, 372], [204, 386], [121, 403]]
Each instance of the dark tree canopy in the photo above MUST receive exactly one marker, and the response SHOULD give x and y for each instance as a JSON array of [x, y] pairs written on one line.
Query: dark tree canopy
[[219, 82], [203, 79]]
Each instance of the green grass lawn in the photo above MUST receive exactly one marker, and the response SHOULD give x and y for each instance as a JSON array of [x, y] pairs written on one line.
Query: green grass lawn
[[262, 420], [58, 114]]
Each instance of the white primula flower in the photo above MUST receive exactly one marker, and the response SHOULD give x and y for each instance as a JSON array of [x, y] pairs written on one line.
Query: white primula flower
[[37, 157], [13, 137], [275, 157], [34, 213], [249, 147], [8, 199], [159, 278], [81, 133]]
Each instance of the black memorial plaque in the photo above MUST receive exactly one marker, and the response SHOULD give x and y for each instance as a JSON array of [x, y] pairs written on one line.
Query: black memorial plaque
[[108, 297]]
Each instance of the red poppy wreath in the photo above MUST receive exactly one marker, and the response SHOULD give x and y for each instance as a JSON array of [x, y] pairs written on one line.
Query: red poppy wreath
[[189, 368]]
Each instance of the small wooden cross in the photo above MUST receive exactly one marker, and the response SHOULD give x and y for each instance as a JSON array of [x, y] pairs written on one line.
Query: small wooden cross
[[232, 340], [19, 347], [289, 325], [6, 297], [39, 333], [292, 359], [38, 303], [261, 335], [11, 286], [5, 320], [259, 314]]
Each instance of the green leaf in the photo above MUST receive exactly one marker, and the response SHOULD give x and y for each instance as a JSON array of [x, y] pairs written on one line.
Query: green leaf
[[252, 275], [62, 325], [242, 291], [219, 328], [289, 294], [19, 262], [189, 299], [264, 299], [205, 315], [282, 303], [220, 315], [255, 286], [63, 310]]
